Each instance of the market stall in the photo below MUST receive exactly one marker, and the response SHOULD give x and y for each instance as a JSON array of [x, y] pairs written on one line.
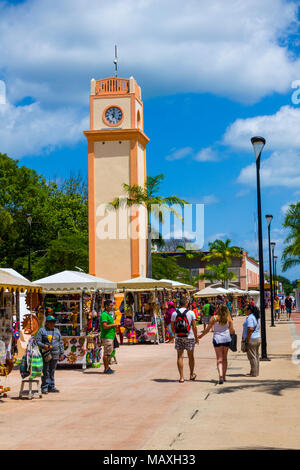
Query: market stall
[[144, 309], [76, 300], [11, 285]]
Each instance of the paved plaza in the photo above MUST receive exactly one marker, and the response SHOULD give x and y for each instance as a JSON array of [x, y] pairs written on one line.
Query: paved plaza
[[142, 406]]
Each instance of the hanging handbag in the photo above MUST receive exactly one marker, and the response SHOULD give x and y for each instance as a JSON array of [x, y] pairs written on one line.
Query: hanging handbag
[[233, 343], [116, 343], [46, 353]]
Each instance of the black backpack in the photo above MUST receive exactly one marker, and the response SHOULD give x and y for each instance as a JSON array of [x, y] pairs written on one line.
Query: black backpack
[[182, 326]]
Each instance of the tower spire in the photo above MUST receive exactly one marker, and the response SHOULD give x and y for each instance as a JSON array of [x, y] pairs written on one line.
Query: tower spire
[[116, 61]]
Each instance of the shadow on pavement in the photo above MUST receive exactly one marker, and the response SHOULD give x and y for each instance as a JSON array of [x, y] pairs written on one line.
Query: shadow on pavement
[[272, 387]]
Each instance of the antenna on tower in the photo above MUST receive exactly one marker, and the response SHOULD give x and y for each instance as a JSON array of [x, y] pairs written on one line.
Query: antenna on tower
[[116, 61]]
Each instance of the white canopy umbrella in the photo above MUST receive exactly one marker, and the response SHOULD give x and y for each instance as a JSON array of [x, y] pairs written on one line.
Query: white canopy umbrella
[[144, 283], [75, 281], [208, 292], [222, 290], [253, 292], [177, 284], [236, 291]]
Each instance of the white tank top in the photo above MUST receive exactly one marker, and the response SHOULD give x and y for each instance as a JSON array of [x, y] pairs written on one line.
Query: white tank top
[[221, 333]]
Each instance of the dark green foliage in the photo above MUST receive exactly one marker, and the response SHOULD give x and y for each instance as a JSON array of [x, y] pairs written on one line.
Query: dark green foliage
[[59, 235]]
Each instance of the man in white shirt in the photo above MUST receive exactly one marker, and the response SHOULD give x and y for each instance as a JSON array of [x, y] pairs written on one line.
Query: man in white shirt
[[185, 339]]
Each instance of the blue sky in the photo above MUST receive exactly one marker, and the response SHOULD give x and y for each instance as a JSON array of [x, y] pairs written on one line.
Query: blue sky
[[212, 76]]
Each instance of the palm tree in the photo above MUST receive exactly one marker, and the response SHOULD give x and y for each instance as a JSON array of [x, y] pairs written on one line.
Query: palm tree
[[223, 251], [189, 255], [291, 254], [218, 273], [155, 205]]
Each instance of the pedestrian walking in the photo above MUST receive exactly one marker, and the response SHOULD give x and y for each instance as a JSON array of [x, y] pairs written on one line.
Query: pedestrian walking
[[169, 312], [277, 308], [183, 323], [251, 338], [108, 333], [288, 306], [282, 305], [51, 345], [223, 329]]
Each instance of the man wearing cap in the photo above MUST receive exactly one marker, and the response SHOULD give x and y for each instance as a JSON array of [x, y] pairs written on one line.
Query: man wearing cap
[[49, 339]]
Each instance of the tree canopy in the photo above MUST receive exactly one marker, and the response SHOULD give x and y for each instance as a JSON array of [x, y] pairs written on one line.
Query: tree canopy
[[59, 216]]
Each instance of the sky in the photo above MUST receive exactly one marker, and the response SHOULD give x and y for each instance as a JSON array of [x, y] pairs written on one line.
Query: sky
[[212, 73]]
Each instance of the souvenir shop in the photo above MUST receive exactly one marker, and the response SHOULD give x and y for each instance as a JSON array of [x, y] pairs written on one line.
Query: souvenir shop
[[143, 309], [76, 300], [11, 285]]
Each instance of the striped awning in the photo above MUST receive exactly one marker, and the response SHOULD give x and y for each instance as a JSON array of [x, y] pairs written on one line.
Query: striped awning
[[16, 283]]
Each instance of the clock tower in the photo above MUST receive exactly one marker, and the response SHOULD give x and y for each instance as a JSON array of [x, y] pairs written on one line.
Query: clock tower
[[116, 155]]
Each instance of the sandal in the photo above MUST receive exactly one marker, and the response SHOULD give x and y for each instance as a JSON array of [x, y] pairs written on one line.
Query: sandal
[[181, 381], [193, 377]]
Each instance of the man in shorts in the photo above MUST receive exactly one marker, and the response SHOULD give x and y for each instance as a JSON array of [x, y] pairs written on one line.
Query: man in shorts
[[108, 333], [188, 343]]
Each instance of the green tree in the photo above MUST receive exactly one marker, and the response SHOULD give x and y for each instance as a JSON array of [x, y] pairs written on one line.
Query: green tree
[[55, 210], [165, 267], [155, 205], [224, 252], [218, 272], [291, 253]]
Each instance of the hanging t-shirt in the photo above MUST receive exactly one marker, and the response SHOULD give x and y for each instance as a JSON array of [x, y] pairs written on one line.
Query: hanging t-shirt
[[205, 310]]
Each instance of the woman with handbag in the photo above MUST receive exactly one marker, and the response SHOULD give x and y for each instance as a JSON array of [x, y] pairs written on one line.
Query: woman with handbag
[[51, 345], [223, 329], [251, 338]]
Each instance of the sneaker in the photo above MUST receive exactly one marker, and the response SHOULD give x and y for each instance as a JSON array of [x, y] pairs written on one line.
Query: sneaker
[[53, 390], [44, 392], [109, 371], [221, 381]]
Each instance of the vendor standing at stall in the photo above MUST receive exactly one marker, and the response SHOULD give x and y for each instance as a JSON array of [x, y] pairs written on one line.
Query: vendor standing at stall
[[108, 333], [52, 348]]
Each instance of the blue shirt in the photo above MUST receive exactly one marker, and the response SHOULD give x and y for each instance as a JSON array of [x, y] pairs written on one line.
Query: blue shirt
[[42, 338], [251, 322]]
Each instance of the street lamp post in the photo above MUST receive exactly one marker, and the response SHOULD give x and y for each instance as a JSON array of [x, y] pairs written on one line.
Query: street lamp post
[[258, 145], [275, 274], [273, 266], [269, 220], [29, 220]]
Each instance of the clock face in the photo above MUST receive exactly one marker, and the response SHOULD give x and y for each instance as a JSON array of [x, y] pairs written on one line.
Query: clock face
[[113, 115]]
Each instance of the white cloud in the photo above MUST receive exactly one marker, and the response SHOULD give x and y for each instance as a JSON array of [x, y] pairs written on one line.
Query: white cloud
[[280, 169], [210, 199], [281, 130], [206, 155], [235, 49], [179, 154], [30, 130]]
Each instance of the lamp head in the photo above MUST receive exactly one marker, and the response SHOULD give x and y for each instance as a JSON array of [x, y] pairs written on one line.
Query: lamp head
[[269, 219], [29, 218], [273, 245], [258, 144]]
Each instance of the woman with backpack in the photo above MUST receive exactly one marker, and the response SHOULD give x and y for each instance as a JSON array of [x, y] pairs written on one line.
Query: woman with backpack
[[223, 329], [251, 338]]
